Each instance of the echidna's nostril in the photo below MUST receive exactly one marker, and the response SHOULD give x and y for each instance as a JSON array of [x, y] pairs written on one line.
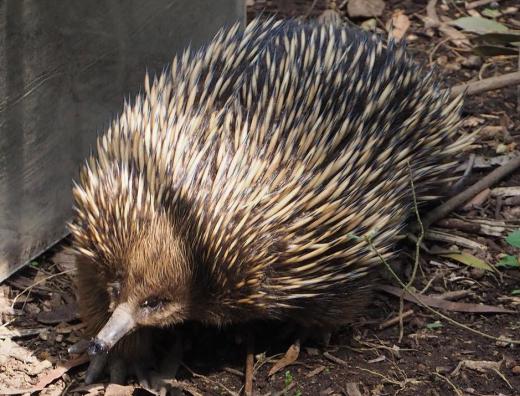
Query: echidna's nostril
[[97, 347]]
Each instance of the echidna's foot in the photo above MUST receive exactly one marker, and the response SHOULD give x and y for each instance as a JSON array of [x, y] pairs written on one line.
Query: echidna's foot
[[159, 377], [163, 381], [103, 362]]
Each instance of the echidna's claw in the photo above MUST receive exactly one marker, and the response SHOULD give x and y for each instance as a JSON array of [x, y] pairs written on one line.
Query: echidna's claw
[[95, 368], [142, 375], [118, 371], [79, 347]]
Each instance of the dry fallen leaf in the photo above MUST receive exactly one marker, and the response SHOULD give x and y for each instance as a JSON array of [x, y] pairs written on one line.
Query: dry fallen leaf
[[400, 24], [365, 8], [289, 358], [119, 390]]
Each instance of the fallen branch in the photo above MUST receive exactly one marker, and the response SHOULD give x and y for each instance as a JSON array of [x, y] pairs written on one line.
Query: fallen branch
[[487, 84], [453, 203]]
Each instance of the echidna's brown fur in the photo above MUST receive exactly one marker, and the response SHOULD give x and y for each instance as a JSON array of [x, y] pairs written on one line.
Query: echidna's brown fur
[[242, 183]]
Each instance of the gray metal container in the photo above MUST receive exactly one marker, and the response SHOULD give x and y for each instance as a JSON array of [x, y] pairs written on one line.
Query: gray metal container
[[65, 68]]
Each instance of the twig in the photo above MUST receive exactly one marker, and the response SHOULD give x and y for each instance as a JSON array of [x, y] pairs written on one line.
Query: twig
[[395, 320], [285, 390], [487, 84], [417, 254], [469, 167], [503, 377], [518, 87], [389, 380], [454, 202], [335, 359], [434, 50], [455, 388], [311, 8], [203, 377], [250, 363], [236, 372]]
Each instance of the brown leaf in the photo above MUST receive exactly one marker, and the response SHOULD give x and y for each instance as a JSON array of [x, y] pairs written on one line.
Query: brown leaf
[[443, 304], [400, 23], [289, 358], [119, 390], [365, 8]]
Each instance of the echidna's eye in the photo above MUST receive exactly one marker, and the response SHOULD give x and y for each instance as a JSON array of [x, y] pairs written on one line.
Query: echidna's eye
[[152, 303]]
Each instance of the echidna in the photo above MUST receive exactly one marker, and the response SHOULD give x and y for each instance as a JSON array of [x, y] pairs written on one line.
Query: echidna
[[245, 180]]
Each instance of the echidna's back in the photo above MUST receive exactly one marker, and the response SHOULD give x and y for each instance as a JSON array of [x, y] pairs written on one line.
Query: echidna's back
[[338, 124], [286, 153]]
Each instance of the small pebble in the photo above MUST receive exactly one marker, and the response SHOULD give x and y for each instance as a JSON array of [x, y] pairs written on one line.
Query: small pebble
[[516, 370], [472, 62], [501, 148], [44, 335], [477, 273]]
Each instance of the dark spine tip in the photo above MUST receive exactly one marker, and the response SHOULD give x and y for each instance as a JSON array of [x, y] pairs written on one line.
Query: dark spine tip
[[97, 347]]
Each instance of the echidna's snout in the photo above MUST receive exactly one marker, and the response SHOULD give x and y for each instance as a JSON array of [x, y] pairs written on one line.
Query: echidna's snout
[[120, 323]]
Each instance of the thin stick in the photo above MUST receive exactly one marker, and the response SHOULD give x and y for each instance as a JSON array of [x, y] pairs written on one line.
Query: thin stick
[[453, 203], [455, 388], [417, 253], [518, 87], [395, 320], [213, 382], [250, 363], [487, 84]]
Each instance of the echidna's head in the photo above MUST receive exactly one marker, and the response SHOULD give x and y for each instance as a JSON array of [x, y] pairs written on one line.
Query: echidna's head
[[147, 282]]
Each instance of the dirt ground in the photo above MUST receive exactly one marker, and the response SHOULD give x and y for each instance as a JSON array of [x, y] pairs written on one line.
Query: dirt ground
[[437, 350]]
